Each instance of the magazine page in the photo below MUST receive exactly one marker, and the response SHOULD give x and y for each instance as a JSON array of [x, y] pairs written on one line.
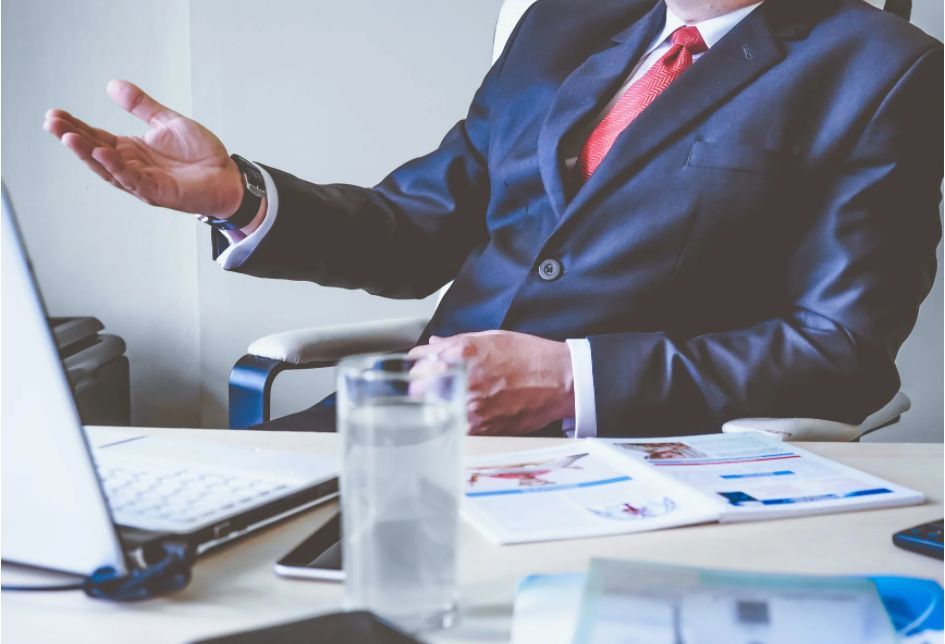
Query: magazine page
[[629, 602], [582, 489], [759, 477]]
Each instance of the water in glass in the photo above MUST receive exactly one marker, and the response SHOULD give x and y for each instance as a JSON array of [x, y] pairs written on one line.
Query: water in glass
[[401, 486]]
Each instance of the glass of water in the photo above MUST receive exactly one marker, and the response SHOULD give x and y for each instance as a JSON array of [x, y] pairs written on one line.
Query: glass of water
[[402, 423]]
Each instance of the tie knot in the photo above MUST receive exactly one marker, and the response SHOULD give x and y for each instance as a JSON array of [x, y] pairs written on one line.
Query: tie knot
[[690, 38]]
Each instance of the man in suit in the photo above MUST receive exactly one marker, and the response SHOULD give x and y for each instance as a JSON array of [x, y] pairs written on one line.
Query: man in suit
[[658, 214]]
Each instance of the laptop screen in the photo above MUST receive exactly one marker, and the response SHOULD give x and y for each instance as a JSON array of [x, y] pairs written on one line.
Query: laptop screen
[[54, 512]]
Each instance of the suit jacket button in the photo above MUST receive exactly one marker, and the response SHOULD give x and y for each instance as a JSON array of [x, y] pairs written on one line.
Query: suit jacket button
[[550, 270]]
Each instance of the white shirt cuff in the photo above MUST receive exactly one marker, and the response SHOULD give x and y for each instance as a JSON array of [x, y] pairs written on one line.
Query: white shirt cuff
[[241, 247], [585, 412]]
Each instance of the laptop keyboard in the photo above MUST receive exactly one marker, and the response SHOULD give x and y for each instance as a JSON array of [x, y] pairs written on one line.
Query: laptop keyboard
[[180, 499]]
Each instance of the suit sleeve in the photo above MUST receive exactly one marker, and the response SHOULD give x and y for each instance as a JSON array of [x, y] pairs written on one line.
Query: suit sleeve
[[855, 284], [404, 238]]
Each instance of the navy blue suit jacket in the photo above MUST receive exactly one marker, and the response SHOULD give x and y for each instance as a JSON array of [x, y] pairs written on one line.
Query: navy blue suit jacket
[[756, 243]]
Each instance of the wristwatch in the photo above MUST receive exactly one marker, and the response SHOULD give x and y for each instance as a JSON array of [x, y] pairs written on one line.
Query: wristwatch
[[252, 197]]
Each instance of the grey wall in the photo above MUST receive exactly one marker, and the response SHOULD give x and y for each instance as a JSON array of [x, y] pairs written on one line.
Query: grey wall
[[341, 90], [97, 251]]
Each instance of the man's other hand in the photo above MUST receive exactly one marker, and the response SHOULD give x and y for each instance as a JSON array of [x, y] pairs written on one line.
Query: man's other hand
[[518, 383], [177, 164]]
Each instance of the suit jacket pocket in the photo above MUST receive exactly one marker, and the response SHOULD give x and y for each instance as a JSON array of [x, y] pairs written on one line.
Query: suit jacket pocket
[[738, 157]]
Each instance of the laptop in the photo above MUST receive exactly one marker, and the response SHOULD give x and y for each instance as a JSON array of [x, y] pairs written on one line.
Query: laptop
[[75, 499]]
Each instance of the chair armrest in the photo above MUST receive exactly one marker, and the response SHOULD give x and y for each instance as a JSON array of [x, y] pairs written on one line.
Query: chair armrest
[[252, 376], [332, 343], [812, 429]]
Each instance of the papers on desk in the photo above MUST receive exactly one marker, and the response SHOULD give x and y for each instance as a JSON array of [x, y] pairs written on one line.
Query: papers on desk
[[655, 603], [605, 487]]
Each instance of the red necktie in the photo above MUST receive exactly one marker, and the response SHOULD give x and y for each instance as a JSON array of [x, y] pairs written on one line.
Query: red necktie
[[686, 43]]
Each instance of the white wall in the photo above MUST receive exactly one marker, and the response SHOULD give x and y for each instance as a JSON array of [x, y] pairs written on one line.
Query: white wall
[[97, 251], [339, 90]]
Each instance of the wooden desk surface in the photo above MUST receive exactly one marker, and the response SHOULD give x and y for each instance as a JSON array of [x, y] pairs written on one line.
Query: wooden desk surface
[[235, 588]]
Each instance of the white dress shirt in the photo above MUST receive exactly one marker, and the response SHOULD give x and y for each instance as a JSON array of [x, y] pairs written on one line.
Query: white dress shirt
[[584, 424]]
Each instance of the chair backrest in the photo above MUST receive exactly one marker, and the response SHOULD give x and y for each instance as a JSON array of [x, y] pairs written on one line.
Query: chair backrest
[[509, 14], [902, 8]]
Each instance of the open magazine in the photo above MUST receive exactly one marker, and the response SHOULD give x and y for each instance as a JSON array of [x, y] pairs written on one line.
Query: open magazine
[[600, 487]]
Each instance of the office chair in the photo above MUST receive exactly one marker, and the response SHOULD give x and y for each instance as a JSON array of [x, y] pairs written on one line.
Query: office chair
[[252, 377]]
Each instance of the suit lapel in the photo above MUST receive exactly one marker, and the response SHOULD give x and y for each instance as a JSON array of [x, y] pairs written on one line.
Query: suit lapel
[[587, 89], [742, 55]]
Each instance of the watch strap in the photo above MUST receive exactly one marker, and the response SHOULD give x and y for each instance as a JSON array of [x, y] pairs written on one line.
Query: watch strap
[[254, 190]]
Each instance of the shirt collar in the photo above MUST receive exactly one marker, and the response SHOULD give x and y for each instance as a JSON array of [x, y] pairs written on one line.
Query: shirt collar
[[712, 30]]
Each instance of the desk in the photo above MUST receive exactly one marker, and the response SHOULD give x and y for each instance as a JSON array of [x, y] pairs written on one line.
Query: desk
[[235, 588]]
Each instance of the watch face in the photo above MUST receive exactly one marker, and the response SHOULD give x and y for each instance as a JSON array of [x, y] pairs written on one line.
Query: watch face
[[252, 177]]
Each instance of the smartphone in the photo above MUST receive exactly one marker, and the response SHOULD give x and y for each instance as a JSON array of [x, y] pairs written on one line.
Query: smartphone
[[926, 539], [318, 557]]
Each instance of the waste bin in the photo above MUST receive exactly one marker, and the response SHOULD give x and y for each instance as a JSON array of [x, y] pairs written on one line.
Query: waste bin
[[97, 369]]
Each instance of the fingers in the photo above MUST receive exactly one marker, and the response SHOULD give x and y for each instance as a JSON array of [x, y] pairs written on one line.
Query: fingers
[[94, 147], [58, 122], [129, 177], [133, 99], [422, 351], [457, 347], [81, 139], [83, 149]]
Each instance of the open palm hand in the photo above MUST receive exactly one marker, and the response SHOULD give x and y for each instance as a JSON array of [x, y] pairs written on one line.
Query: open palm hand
[[177, 164]]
